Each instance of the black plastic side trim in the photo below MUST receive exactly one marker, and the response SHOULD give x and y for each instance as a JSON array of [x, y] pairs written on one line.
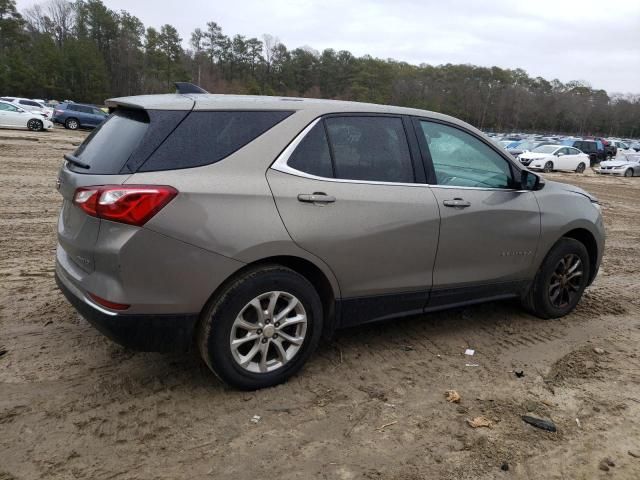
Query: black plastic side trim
[[146, 333], [453, 297], [358, 310]]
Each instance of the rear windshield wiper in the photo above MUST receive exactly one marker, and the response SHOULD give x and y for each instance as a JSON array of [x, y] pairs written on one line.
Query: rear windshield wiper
[[76, 161]]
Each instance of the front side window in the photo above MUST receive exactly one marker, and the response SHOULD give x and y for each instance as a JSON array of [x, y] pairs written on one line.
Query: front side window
[[370, 148], [8, 108], [460, 159]]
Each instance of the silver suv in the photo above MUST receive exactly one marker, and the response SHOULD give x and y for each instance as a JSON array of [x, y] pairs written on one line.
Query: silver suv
[[253, 226]]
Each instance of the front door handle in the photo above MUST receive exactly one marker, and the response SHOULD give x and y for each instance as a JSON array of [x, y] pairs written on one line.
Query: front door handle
[[316, 197], [456, 203]]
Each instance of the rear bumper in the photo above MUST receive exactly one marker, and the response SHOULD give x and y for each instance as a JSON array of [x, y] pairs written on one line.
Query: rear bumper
[[147, 333]]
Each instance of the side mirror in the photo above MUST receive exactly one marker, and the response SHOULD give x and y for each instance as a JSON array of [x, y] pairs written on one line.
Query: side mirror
[[559, 154], [530, 181]]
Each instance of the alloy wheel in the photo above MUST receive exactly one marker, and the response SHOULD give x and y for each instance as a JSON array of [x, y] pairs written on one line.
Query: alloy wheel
[[628, 173], [268, 332], [581, 168], [566, 281], [34, 125], [548, 167]]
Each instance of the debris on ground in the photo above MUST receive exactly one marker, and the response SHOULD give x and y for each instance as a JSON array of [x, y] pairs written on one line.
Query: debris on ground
[[599, 350], [3, 350], [452, 396], [519, 373], [606, 464], [472, 364], [478, 422], [504, 467], [540, 423], [255, 418], [382, 427], [634, 454], [469, 351], [578, 423]]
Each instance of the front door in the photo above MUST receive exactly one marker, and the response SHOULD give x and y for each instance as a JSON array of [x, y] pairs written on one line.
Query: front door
[[489, 227], [348, 194]]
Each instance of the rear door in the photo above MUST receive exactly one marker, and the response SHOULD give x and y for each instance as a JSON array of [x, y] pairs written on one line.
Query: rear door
[[489, 227], [351, 190]]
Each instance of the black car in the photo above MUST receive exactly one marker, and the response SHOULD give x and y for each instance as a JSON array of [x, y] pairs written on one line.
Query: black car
[[78, 115], [593, 148]]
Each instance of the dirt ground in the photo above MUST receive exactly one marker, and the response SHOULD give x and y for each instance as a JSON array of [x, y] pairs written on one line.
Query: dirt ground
[[370, 404]]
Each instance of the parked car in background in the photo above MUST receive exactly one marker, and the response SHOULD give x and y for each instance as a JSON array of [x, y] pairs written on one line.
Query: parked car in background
[[593, 148], [78, 115], [526, 146], [251, 226], [31, 105], [555, 157], [621, 147], [627, 166], [14, 116]]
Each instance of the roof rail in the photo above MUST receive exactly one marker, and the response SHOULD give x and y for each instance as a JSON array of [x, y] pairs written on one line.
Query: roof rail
[[186, 87]]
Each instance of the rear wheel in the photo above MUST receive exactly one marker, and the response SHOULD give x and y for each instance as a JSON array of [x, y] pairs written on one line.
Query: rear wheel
[[262, 328], [35, 125], [72, 124], [560, 281], [548, 167], [581, 168], [628, 172]]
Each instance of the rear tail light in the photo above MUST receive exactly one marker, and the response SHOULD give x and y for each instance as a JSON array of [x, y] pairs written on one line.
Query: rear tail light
[[131, 204]]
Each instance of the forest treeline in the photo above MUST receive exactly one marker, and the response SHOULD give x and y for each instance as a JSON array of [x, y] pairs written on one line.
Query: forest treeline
[[84, 51]]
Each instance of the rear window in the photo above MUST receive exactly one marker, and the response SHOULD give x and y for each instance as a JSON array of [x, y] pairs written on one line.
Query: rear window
[[204, 138], [111, 144]]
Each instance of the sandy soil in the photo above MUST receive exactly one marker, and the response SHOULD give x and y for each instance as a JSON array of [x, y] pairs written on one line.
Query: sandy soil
[[370, 404]]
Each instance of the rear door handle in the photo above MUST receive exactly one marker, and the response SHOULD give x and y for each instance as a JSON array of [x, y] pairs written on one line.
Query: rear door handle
[[316, 197], [456, 203]]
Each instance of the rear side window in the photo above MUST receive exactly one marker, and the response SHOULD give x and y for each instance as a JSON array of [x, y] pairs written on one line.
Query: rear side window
[[204, 138], [312, 155], [371, 148], [111, 144]]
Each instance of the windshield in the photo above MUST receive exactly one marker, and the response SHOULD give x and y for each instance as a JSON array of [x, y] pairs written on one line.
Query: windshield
[[545, 149]]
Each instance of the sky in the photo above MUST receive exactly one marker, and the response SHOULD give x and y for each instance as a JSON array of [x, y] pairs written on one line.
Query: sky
[[588, 40]]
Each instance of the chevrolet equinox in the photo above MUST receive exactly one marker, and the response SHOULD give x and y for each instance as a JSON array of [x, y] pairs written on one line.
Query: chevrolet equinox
[[251, 226]]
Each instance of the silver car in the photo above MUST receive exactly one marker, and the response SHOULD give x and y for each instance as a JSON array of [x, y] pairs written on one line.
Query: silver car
[[250, 227]]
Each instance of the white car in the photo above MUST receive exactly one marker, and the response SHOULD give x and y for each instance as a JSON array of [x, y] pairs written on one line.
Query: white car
[[14, 116], [555, 157], [31, 105], [627, 165], [622, 148]]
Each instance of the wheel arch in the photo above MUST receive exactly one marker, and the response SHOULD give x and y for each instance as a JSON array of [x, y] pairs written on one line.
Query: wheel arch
[[587, 238], [325, 286]]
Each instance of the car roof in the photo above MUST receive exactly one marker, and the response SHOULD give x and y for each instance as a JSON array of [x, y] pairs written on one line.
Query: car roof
[[255, 102]]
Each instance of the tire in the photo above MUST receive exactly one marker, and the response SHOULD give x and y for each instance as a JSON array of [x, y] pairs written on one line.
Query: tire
[[243, 367], [72, 124], [35, 125], [628, 172], [581, 167], [548, 167], [545, 301]]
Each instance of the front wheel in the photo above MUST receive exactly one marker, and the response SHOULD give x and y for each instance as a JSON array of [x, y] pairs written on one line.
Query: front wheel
[[581, 168], [548, 167], [560, 281], [35, 125], [628, 172], [261, 328]]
